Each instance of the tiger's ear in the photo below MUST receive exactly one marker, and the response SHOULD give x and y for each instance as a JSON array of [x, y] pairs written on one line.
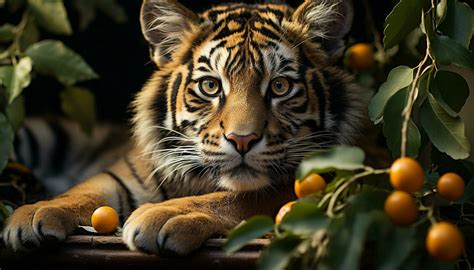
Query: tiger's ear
[[163, 24], [327, 20]]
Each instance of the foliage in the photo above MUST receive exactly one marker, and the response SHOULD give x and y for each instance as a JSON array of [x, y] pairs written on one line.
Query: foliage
[[24, 56], [345, 227]]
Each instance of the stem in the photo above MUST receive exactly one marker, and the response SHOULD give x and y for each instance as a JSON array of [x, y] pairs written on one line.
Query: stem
[[410, 102], [14, 48], [430, 215], [466, 258], [368, 171]]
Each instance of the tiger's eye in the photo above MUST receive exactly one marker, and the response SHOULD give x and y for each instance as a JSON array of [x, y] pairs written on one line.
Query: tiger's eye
[[209, 86], [280, 86]]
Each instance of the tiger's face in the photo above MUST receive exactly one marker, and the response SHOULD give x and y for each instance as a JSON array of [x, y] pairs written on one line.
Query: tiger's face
[[243, 92]]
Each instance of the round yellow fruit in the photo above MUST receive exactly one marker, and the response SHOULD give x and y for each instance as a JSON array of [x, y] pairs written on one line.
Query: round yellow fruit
[[445, 242], [407, 175], [310, 184], [451, 186], [105, 220], [401, 208], [361, 56], [283, 211]]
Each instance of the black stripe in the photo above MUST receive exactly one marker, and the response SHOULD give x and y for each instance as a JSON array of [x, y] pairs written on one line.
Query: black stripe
[[174, 95], [34, 148], [61, 146], [269, 33], [319, 90], [204, 69], [130, 200], [134, 171], [212, 153], [337, 99], [162, 188], [279, 14], [220, 44], [205, 60], [160, 103]]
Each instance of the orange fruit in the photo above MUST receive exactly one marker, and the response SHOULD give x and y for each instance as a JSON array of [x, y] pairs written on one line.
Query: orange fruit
[[361, 56], [283, 211], [407, 175], [105, 219], [451, 186], [445, 242], [401, 208], [310, 184]]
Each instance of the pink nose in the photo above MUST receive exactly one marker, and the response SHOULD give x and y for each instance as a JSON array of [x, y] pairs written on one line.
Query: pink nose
[[242, 144]]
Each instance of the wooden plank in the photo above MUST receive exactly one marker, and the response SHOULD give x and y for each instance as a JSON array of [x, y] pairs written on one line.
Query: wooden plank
[[109, 252]]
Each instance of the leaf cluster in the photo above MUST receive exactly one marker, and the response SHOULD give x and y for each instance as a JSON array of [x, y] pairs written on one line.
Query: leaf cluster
[[24, 55]]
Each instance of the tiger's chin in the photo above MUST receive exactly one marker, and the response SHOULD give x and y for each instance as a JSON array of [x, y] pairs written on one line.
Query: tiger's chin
[[241, 180]]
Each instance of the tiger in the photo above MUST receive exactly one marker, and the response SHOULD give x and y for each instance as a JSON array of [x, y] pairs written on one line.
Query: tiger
[[240, 95]]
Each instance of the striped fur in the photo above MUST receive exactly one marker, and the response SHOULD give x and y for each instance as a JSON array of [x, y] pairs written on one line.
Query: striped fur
[[269, 79]]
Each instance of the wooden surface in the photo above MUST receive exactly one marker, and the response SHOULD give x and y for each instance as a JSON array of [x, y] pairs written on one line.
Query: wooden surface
[[109, 252]]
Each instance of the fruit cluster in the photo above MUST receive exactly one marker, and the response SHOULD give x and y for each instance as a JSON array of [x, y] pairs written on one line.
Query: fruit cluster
[[444, 240]]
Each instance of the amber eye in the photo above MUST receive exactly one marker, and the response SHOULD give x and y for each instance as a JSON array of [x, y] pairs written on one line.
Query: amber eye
[[280, 86], [209, 86]]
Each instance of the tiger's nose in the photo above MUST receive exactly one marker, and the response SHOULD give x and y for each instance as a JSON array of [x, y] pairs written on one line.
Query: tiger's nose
[[242, 144]]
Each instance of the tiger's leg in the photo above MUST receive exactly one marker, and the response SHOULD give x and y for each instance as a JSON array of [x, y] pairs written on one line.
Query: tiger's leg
[[182, 225], [52, 220]]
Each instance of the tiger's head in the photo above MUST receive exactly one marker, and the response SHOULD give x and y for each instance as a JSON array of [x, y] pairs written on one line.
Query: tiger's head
[[243, 92]]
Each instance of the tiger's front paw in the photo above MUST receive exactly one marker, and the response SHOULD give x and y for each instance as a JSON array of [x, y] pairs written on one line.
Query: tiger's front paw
[[32, 225], [180, 229]]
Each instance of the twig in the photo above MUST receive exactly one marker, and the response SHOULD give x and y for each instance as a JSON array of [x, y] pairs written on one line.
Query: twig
[[411, 101], [367, 171]]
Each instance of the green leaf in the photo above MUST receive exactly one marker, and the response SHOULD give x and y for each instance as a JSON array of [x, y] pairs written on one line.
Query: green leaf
[[395, 248], [403, 19], [4, 211], [441, 11], [6, 143], [304, 218], [424, 86], [393, 121], [16, 78], [398, 78], [16, 112], [30, 34], [88, 229], [250, 229], [278, 254], [356, 243], [7, 33], [51, 15], [347, 242], [445, 132], [447, 51], [341, 176], [52, 57], [457, 21], [366, 201], [345, 158], [79, 104], [450, 90]]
